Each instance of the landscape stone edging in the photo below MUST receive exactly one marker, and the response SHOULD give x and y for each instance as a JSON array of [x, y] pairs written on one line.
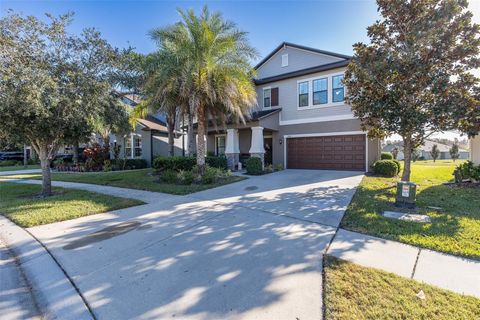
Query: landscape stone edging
[[53, 291]]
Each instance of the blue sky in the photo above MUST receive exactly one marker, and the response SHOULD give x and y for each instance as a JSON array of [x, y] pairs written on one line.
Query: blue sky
[[328, 25]]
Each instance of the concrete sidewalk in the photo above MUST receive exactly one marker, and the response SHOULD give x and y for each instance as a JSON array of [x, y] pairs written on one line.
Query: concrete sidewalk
[[16, 298], [145, 196], [52, 295], [15, 172], [457, 274]]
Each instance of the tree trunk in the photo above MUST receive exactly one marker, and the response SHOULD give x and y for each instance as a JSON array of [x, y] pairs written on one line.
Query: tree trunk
[[45, 164], [407, 150], [25, 160], [171, 133], [190, 136], [75, 152], [201, 139]]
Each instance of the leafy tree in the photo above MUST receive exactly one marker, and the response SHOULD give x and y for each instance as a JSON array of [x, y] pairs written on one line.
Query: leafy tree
[[414, 79], [215, 68], [435, 152], [454, 151], [113, 118], [49, 79]]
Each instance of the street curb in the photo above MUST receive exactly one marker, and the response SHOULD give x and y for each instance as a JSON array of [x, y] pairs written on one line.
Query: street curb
[[54, 292]]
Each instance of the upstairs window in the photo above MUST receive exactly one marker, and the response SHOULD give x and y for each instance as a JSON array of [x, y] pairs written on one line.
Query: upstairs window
[[267, 98], [320, 91], [338, 91], [303, 94]]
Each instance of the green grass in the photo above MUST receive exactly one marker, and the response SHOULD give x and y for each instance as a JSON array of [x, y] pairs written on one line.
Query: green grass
[[15, 168], [455, 229], [22, 204], [355, 292], [134, 179]]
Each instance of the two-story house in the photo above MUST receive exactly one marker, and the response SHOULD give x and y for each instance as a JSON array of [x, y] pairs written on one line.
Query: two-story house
[[301, 120]]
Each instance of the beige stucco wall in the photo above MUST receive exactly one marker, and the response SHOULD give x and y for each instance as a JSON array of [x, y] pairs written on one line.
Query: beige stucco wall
[[475, 149]]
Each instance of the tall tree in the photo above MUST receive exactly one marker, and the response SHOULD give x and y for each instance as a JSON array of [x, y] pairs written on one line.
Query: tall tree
[[414, 79], [215, 62], [49, 79], [454, 151], [435, 152]]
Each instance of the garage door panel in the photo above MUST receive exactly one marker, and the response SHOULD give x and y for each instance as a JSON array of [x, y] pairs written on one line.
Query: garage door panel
[[327, 152]]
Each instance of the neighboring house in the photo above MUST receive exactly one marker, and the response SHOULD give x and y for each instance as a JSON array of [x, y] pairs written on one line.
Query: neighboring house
[[149, 139], [475, 149], [301, 121], [424, 150]]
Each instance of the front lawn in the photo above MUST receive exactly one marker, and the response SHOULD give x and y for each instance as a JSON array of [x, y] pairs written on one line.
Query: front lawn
[[134, 179], [21, 204], [355, 292], [15, 168], [455, 229]]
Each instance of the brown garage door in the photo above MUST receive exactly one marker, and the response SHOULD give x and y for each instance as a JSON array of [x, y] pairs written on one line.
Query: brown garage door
[[327, 152]]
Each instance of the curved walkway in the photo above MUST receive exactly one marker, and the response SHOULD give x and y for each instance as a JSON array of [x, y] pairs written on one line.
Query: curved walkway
[[251, 249]]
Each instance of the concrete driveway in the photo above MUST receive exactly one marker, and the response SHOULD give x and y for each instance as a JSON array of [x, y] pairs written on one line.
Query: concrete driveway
[[249, 250]]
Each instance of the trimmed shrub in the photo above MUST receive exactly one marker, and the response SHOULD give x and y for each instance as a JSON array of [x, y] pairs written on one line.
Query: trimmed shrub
[[386, 156], [467, 170], [169, 176], [399, 165], [186, 176], [217, 162], [211, 175], [254, 166], [129, 164], [162, 163], [387, 168]]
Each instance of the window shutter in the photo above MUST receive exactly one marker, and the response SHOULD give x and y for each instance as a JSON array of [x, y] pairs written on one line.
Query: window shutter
[[274, 97]]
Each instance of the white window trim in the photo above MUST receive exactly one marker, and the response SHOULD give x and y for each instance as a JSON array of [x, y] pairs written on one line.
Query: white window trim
[[348, 116], [132, 137], [331, 89], [330, 102], [220, 135], [263, 97], [320, 104], [309, 86], [324, 134]]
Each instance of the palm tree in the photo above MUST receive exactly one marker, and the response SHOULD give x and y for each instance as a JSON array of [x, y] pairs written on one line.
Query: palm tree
[[214, 66]]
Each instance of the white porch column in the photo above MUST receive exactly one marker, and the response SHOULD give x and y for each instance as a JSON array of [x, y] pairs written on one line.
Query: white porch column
[[257, 148], [132, 149], [232, 150]]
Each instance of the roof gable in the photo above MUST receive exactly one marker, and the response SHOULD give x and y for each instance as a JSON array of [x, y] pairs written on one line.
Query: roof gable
[[297, 57]]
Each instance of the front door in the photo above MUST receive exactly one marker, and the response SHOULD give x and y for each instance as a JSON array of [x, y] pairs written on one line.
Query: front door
[[267, 144]]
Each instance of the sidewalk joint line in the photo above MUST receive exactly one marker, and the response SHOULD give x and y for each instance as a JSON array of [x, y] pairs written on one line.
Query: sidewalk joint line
[[416, 263]]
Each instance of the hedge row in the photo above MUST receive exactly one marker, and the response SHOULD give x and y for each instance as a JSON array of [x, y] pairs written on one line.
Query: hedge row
[[178, 163]]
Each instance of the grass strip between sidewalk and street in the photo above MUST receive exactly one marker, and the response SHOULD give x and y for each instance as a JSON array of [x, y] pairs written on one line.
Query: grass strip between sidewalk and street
[[356, 292]]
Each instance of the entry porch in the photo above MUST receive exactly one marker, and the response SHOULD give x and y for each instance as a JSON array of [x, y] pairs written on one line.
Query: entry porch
[[238, 142]]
